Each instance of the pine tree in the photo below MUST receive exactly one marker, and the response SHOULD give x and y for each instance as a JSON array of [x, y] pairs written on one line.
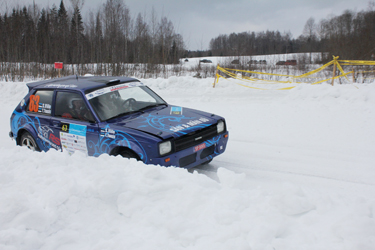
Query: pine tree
[[2, 42], [62, 33], [53, 33], [76, 37], [42, 37], [28, 41], [4, 38], [99, 40]]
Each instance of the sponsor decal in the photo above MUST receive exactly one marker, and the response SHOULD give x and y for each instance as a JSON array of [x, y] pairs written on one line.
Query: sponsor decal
[[57, 85], [106, 90], [176, 110], [73, 137], [108, 132], [135, 84], [49, 142], [189, 124], [45, 133], [54, 139], [118, 88], [100, 92], [163, 123], [65, 127], [44, 108], [72, 143], [199, 147], [44, 130], [77, 129]]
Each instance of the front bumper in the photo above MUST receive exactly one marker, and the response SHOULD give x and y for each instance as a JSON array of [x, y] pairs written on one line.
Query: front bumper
[[196, 155]]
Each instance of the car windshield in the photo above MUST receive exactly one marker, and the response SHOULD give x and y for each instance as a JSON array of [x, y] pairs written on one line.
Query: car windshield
[[120, 101]]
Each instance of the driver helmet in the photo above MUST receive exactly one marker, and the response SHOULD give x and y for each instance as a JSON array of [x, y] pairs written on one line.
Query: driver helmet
[[76, 100]]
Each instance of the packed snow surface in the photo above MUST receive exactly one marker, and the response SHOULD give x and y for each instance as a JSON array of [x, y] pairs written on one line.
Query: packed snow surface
[[298, 173]]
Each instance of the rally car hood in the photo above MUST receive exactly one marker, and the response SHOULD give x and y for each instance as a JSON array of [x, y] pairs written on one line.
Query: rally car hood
[[169, 121]]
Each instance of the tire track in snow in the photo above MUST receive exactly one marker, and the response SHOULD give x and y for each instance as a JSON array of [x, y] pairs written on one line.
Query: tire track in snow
[[238, 166]]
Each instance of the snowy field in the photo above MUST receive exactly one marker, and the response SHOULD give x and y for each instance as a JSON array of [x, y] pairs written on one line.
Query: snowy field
[[298, 173]]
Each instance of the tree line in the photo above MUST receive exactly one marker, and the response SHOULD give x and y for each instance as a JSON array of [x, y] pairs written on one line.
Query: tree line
[[350, 35], [111, 35]]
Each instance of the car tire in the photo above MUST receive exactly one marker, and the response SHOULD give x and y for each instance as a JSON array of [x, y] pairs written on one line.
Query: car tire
[[28, 140], [129, 154]]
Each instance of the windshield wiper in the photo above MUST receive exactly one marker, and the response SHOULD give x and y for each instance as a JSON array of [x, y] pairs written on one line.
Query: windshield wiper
[[122, 114], [152, 106]]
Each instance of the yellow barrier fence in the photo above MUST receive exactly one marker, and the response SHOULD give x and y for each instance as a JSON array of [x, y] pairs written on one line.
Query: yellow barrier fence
[[233, 73]]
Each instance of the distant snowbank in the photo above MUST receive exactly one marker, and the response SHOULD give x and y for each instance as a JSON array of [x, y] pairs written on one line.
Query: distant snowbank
[[270, 59]]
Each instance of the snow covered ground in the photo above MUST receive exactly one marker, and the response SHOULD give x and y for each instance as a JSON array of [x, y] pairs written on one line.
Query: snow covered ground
[[298, 173]]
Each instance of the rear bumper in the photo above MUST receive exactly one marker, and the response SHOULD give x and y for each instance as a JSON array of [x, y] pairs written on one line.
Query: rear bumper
[[196, 155]]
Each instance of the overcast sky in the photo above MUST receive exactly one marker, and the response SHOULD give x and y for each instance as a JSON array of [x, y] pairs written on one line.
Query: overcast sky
[[198, 21]]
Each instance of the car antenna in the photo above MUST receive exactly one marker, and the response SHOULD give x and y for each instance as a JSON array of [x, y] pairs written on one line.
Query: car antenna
[[77, 77]]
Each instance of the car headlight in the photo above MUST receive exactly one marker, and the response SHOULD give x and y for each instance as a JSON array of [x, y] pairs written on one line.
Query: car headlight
[[220, 126], [165, 147]]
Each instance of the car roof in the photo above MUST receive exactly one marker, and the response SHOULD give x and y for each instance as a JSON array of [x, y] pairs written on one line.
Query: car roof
[[82, 83]]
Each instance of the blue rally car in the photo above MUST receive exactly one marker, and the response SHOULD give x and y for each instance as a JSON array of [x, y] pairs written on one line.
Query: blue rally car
[[116, 116]]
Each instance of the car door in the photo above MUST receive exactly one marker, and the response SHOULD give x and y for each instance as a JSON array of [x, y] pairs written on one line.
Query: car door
[[75, 132], [39, 112]]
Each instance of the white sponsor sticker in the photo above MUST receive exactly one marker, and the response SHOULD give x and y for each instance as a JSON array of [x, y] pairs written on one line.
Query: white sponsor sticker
[[110, 89]]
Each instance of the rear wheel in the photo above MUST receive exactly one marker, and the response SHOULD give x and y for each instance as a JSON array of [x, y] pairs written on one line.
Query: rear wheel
[[28, 141]]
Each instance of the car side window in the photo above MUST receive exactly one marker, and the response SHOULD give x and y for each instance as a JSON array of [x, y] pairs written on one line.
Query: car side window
[[41, 102], [72, 106]]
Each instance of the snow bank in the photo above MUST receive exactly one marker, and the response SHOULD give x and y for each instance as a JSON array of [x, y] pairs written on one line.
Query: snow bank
[[293, 177], [346, 93], [53, 201]]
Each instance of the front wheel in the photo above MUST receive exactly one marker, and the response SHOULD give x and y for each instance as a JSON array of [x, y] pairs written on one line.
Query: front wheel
[[28, 141], [129, 154]]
